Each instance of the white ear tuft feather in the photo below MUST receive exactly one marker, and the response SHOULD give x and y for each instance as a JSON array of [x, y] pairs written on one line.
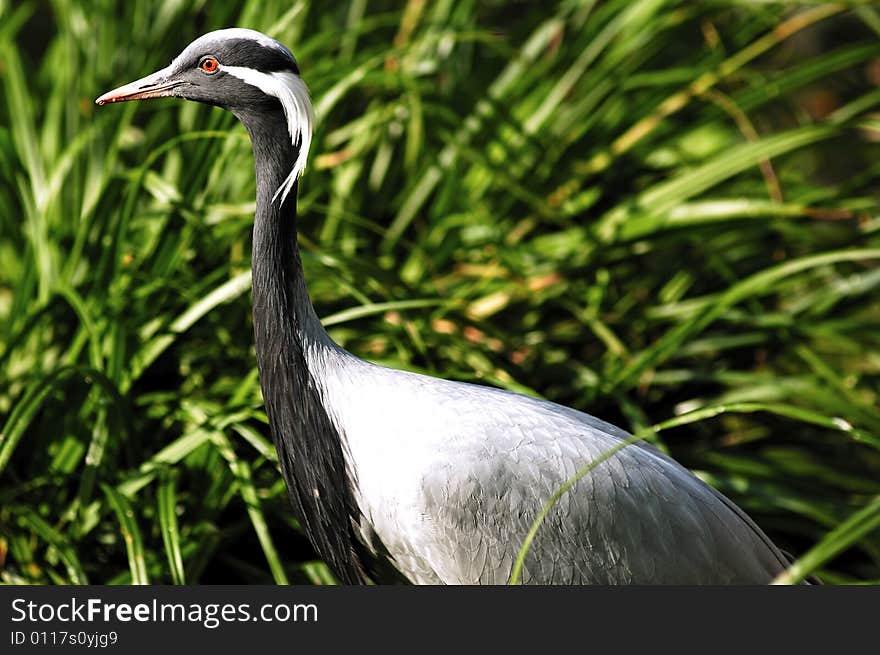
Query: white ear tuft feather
[[293, 94]]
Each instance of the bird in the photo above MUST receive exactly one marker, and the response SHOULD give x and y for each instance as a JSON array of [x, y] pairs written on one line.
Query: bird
[[397, 476]]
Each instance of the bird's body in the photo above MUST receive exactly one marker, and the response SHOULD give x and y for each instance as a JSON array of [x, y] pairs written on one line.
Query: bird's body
[[434, 480], [450, 477]]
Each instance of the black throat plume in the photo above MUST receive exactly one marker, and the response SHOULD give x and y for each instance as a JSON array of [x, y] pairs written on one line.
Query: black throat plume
[[309, 445]]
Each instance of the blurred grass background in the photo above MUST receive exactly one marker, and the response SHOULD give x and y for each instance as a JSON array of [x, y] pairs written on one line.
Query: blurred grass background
[[660, 212]]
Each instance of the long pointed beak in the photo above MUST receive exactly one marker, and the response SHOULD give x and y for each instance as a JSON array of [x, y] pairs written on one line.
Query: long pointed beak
[[156, 85]]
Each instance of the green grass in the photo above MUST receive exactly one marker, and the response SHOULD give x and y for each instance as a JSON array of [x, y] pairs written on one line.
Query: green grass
[[664, 213]]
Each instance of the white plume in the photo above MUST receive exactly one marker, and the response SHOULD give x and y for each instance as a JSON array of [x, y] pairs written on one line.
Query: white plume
[[293, 94]]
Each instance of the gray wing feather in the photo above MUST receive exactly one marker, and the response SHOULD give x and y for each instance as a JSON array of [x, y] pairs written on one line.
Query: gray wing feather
[[474, 466], [637, 518]]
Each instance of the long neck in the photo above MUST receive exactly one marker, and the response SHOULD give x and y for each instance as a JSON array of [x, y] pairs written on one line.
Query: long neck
[[288, 334]]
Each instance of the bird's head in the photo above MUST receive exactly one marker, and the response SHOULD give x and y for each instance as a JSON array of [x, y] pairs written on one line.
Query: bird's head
[[242, 70]]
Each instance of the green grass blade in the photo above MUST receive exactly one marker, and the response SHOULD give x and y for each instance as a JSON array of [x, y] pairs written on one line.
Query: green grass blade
[[839, 539], [167, 505], [756, 284], [242, 473], [131, 534], [30, 520]]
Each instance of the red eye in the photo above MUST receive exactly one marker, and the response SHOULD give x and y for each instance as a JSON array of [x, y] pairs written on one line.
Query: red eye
[[209, 65]]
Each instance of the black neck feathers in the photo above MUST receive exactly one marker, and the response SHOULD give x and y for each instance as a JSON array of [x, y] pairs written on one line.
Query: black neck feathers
[[309, 444]]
